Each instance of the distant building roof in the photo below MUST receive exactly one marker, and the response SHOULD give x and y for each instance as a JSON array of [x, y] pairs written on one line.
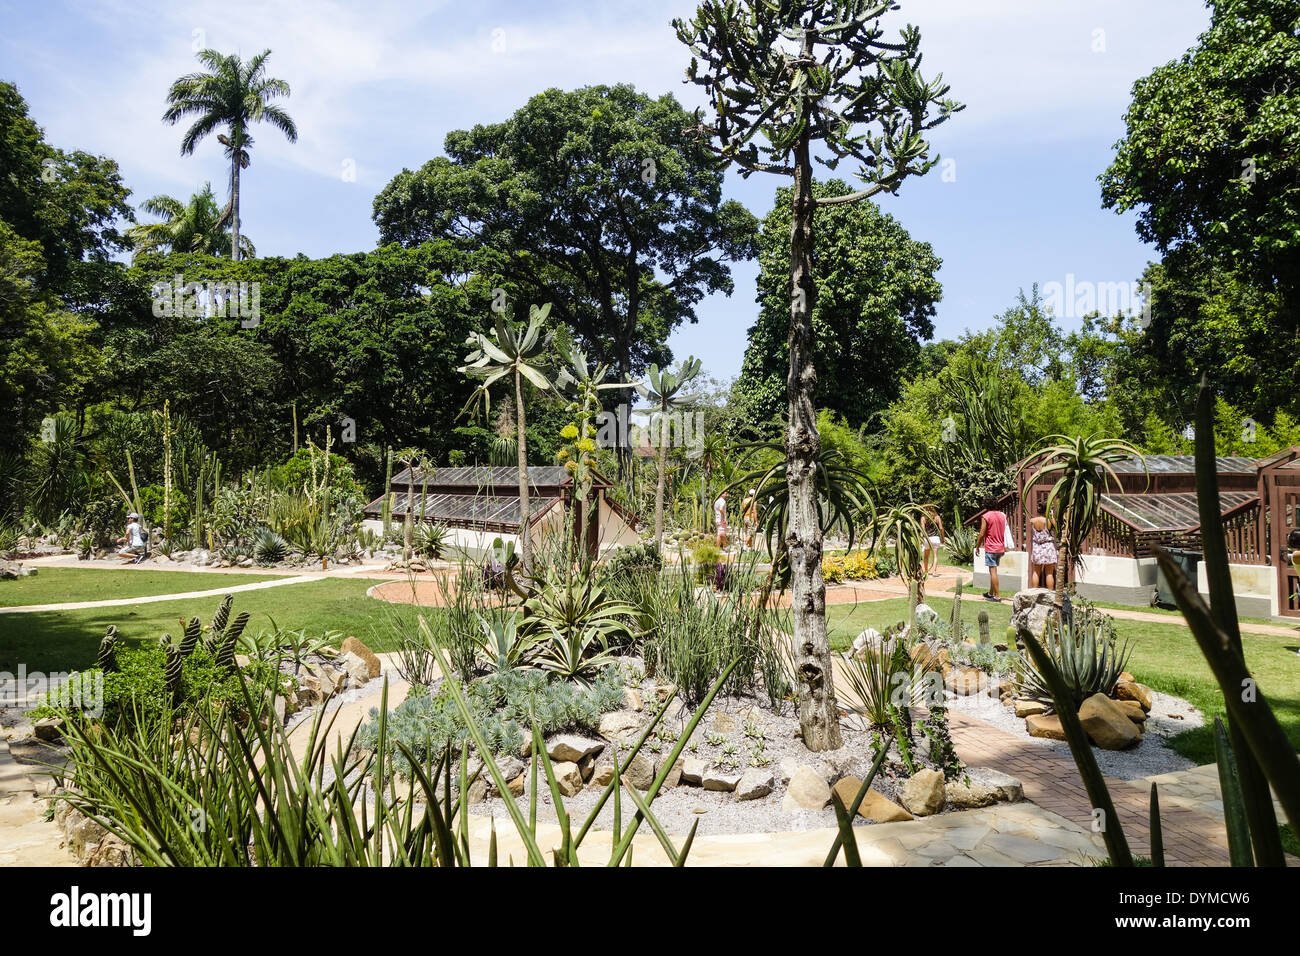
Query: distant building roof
[[1168, 512], [483, 476], [1183, 465]]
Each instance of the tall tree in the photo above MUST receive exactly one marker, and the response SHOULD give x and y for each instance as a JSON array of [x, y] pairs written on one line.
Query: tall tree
[[193, 226], [1209, 158], [805, 75], [596, 200], [876, 292], [519, 351], [234, 94], [666, 391]]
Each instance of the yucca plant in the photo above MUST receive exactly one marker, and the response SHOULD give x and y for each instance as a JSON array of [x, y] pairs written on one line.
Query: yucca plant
[[884, 677], [431, 540], [1083, 650], [579, 622]]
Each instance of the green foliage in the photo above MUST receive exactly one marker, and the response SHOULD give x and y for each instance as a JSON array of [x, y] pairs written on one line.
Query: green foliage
[[269, 548], [636, 559], [431, 540], [504, 705], [1083, 653]]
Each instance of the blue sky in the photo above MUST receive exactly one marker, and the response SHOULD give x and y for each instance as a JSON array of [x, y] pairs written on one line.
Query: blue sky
[[377, 85]]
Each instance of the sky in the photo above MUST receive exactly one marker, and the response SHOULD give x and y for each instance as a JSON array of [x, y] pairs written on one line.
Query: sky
[[377, 85]]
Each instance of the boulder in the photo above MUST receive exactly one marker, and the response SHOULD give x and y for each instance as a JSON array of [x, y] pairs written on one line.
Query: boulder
[[723, 723], [1132, 690], [869, 639], [1133, 709], [664, 691], [1030, 609], [358, 670], [880, 809], [967, 796], [693, 770], [603, 775], [631, 699], [754, 783], [518, 785], [48, 728], [964, 681], [1045, 725], [243, 661], [373, 666], [717, 779], [1004, 786], [1029, 708], [571, 748], [639, 773], [587, 766], [923, 793], [926, 614], [807, 790], [674, 775], [568, 777], [619, 723], [1106, 723]]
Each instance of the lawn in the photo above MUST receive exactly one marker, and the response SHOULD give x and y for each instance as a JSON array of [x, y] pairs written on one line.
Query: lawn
[[1165, 657], [59, 585], [65, 640]]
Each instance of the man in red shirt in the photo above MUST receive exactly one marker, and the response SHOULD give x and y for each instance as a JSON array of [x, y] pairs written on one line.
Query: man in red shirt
[[992, 538]]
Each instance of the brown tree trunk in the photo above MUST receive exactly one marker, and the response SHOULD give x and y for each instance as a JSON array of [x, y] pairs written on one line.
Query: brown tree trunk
[[819, 719], [521, 447], [659, 484]]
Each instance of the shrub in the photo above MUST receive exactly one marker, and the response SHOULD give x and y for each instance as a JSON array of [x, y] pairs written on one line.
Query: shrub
[[503, 704], [636, 559], [853, 565], [103, 519], [430, 540], [705, 557]]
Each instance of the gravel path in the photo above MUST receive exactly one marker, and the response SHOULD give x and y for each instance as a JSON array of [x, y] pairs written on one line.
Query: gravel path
[[1169, 716]]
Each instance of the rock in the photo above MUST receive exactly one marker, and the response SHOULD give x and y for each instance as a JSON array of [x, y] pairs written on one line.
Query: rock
[[1125, 675], [587, 766], [84, 833], [619, 723], [964, 681], [1004, 786], [880, 809], [807, 790], [1132, 690], [926, 614], [664, 691], [823, 767], [869, 639], [572, 748], [373, 666], [631, 699], [518, 785], [966, 796], [510, 766], [1107, 724], [723, 723], [1006, 688], [921, 654], [243, 661], [309, 692], [358, 670], [1133, 709], [603, 775], [48, 728], [639, 773], [567, 777], [1045, 725], [326, 676], [693, 770], [754, 783], [245, 562], [1029, 708], [674, 775], [1030, 609], [719, 780], [478, 790], [923, 793]]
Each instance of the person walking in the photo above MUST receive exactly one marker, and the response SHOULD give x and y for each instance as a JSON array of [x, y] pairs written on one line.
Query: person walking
[[749, 517], [720, 521], [992, 539], [1043, 556]]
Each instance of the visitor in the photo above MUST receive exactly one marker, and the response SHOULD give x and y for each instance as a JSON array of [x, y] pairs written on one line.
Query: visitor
[[720, 521], [749, 516], [993, 538], [1042, 555], [132, 545]]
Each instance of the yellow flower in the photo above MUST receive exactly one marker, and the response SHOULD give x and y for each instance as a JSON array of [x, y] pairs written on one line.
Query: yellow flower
[[569, 432]]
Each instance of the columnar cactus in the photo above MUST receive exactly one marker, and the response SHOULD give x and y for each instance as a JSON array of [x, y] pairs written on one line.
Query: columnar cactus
[[172, 675], [107, 660], [984, 628]]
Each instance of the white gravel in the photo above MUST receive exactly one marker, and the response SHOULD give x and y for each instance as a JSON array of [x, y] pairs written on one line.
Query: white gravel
[[1169, 716]]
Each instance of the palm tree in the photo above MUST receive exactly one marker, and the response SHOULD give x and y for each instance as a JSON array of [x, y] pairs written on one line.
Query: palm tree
[[194, 226], [1086, 469], [518, 351], [234, 94], [665, 391]]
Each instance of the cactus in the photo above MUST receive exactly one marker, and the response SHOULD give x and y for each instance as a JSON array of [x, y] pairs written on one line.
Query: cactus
[[107, 660], [212, 643], [172, 675], [230, 640], [954, 622], [984, 627], [191, 638]]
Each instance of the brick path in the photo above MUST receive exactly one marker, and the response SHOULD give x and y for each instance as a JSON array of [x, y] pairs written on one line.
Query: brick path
[[1191, 837]]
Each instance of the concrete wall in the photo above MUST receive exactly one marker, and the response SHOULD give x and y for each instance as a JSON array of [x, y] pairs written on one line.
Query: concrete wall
[[1254, 586], [1012, 573]]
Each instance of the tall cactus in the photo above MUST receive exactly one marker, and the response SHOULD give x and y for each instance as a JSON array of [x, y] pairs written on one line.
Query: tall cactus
[[985, 638], [954, 621], [193, 630], [174, 671], [107, 659]]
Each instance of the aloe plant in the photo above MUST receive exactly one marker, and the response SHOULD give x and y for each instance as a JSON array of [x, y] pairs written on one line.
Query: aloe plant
[[1082, 649]]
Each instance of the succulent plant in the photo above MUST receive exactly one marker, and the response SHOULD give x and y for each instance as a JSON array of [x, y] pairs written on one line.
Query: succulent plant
[[107, 660], [1084, 651]]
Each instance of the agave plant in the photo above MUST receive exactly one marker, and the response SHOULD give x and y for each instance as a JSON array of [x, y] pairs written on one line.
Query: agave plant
[[1083, 650], [580, 620], [882, 678], [431, 540], [502, 644], [269, 548]]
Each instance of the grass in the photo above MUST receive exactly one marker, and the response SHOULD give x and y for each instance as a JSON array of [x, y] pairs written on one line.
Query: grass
[[1170, 612], [60, 585], [1165, 657], [66, 640]]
